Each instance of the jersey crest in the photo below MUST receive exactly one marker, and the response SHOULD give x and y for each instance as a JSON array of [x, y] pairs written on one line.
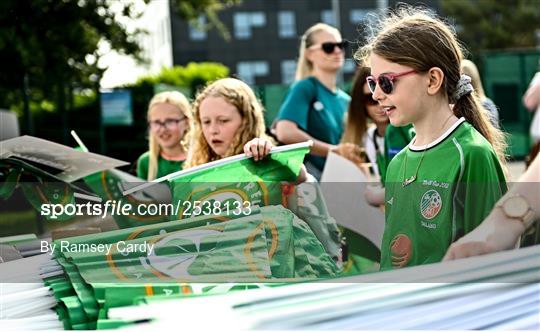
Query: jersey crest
[[430, 204]]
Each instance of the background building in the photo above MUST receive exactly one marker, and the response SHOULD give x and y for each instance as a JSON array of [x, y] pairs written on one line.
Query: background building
[[264, 35]]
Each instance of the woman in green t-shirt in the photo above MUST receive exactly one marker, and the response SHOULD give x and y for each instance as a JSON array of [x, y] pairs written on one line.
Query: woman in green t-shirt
[[315, 107], [169, 116]]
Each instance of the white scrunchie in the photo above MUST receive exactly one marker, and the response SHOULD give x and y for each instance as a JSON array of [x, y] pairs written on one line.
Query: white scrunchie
[[464, 87]]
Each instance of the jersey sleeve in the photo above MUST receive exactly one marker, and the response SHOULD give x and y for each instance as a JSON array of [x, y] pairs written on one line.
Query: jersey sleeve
[[297, 104], [142, 166], [482, 185]]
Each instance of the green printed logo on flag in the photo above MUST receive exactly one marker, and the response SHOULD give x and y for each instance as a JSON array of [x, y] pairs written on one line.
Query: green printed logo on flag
[[109, 185], [238, 182], [12, 176], [272, 243], [49, 194], [234, 250]]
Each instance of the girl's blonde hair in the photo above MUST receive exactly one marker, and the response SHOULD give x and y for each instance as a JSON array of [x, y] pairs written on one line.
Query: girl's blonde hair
[[182, 105], [304, 67], [413, 37], [238, 94]]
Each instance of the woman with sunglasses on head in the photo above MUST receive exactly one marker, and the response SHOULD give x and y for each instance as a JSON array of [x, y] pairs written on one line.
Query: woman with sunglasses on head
[[450, 176], [169, 115], [314, 108]]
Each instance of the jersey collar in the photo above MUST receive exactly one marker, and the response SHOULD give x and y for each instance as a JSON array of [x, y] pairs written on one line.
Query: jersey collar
[[441, 138]]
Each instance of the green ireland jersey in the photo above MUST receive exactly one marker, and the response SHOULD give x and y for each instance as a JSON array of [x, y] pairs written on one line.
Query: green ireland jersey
[[395, 140], [165, 167], [458, 181]]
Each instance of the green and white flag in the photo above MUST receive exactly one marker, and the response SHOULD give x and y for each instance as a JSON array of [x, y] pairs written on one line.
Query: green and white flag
[[270, 243], [49, 193], [238, 183], [235, 183], [110, 184], [269, 246]]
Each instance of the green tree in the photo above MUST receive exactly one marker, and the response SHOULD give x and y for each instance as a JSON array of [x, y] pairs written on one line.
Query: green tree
[[190, 10], [190, 77], [495, 24], [50, 47]]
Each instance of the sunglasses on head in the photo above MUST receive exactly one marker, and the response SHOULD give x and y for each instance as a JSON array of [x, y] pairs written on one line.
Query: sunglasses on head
[[329, 47], [385, 81]]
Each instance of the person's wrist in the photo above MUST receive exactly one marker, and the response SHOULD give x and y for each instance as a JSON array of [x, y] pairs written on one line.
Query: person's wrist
[[517, 206], [505, 231]]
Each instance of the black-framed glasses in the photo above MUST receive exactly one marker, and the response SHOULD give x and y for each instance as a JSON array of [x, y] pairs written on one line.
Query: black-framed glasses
[[368, 99], [167, 124], [329, 47], [385, 81]]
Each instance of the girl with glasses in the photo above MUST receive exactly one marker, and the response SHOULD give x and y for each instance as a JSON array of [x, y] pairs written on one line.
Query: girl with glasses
[[169, 116], [314, 108], [449, 177]]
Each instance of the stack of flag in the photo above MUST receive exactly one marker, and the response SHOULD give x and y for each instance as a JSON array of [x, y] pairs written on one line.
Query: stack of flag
[[267, 246], [498, 291], [264, 244], [271, 264]]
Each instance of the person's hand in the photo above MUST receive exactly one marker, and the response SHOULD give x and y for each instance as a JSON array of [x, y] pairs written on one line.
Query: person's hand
[[303, 175], [258, 148], [374, 195], [351, 152], [495, 233], [467, 249]]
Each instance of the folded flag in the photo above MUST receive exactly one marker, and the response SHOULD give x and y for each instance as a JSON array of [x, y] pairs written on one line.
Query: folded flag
[[109, 185], [96, 272]]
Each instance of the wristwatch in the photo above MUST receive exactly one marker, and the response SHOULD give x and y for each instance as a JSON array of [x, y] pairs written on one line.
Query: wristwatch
[[517, 207]]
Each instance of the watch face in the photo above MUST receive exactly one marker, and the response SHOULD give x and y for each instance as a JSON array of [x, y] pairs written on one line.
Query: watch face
[[516, 207]]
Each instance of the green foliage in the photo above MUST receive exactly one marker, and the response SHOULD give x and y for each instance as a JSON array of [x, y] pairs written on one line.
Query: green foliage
[[190, 10], [192, 76], [54, 46], [495, 24], [83, 98], [49, 41], [49, 48]]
